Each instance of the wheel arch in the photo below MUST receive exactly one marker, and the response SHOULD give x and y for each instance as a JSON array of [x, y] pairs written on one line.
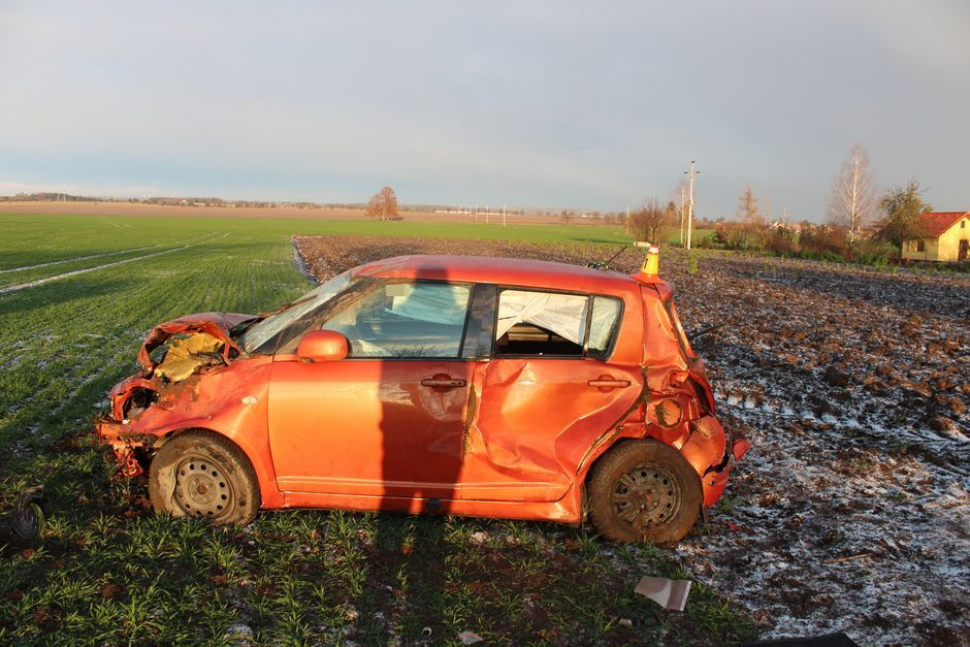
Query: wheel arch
[[584, 476], [270, 495]]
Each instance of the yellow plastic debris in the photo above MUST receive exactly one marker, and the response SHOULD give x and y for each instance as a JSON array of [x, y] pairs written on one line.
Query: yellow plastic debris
[[186, 355]]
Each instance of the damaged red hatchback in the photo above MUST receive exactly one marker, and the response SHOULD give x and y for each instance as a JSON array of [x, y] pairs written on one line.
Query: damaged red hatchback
[[443, 384]]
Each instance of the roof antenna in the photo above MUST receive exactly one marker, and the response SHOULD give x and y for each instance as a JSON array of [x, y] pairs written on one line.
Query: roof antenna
[[605, 265]]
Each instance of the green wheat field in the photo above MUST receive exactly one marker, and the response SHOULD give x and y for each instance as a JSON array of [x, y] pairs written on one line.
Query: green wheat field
[[110, 571]]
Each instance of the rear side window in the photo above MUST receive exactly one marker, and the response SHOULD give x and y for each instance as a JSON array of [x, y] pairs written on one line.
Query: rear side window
[[551, 324], [603, 325]]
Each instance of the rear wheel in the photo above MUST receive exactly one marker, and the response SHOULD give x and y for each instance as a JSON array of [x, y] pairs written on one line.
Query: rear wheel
[[202, 474], [644, 490]]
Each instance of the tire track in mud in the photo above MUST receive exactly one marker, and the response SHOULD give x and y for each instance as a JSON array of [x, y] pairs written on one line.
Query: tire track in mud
[[78, 259], [74, 260], [56, 277]]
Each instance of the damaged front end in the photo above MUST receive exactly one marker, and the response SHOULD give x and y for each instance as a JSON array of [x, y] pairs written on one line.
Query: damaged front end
[[147, 407]]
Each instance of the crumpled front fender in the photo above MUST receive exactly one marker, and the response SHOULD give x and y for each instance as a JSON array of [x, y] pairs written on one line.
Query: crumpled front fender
[[230, 401]]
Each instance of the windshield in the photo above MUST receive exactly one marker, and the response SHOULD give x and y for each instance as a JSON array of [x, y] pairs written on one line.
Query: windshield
[[260, 332]]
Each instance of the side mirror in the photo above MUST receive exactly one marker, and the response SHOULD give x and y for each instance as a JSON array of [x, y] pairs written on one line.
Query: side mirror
[[322, 346]]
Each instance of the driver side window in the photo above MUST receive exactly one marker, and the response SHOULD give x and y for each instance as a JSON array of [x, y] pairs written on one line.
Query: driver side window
[[405, 320]]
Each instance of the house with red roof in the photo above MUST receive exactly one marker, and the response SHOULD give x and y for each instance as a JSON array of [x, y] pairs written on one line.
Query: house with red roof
[[943, 236]]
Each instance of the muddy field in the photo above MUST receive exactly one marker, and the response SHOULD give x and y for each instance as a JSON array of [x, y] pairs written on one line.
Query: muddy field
[[851, 512]]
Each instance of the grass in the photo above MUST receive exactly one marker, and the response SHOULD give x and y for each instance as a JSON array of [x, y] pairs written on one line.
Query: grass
[[109, 571]]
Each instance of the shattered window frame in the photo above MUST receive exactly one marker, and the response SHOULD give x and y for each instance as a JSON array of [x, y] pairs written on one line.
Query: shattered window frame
[[585, 354]]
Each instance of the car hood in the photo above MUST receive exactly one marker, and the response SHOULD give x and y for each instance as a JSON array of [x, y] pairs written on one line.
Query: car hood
[[217, 324]]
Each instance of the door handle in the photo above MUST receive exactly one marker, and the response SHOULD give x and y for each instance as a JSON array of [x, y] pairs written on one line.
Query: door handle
[[607, 383], [444, 382]]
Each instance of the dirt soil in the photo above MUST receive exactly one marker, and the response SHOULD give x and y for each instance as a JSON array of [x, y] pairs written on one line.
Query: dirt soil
[[851, 512]]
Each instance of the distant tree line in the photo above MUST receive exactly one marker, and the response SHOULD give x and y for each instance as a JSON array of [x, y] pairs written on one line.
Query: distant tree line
[[47, 196]]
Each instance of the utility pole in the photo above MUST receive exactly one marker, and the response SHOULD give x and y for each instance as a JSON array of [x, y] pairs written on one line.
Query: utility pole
[[503, 215], [627, 223], [683, 211], [690, 200], [487, 209]]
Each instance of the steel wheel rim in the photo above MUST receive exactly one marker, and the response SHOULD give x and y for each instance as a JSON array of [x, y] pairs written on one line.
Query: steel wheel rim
[[202, 488], [647, 496]]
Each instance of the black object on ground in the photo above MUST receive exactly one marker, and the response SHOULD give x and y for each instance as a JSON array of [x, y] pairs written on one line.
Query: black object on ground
[[828, 640], [23, 528]]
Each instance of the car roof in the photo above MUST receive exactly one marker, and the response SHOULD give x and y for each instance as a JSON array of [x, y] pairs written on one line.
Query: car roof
[[501, 271]]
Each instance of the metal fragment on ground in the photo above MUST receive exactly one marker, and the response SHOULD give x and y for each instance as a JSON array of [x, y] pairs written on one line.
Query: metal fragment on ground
[[670, 594]]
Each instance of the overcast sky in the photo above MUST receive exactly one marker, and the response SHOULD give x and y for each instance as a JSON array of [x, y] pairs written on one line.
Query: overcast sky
[[551, 104]]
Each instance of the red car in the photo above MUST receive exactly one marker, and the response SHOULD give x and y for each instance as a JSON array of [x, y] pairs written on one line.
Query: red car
[[444, 384]]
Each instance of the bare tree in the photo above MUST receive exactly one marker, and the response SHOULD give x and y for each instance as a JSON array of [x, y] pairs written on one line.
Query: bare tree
[[853, 202], [752, 221], [650, 222], [566, 216], [383, 205]]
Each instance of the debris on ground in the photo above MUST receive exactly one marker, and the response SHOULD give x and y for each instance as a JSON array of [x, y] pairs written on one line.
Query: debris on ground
[[668, 593], [839, 639], [469, 638], [23, 527]]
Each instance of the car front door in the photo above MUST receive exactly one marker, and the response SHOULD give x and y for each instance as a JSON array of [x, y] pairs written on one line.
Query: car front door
[[388, 420]]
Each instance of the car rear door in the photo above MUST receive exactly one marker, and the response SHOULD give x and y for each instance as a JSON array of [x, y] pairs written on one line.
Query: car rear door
[[563, 370]]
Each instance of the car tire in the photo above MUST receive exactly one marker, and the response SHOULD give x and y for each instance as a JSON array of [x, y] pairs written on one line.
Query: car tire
[[644, 490], [202, 474]]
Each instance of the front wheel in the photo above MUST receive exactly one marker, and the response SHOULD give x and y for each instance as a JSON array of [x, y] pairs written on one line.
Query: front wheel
[[644, 490], [202, 474]]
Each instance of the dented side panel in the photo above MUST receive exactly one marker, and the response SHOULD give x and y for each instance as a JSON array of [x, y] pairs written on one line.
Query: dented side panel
[[538, 417], [536, 420]]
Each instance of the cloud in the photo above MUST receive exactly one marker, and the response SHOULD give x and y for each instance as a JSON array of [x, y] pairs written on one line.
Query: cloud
[[539, 103]]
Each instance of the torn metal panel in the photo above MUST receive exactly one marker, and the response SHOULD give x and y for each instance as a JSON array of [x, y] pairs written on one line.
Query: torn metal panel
[[556, 416], [217, 324], [188, 354], [230, 400]]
